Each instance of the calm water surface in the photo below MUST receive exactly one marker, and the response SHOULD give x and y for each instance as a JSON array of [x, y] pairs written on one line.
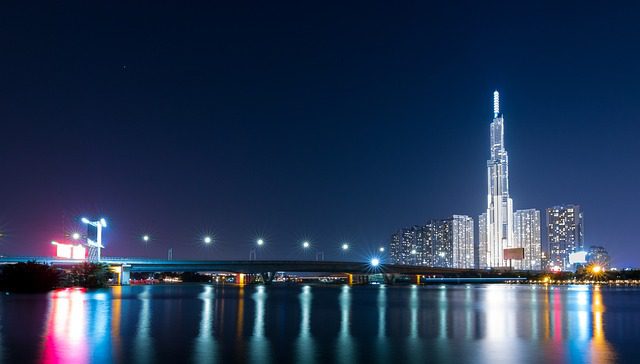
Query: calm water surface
[[319, 324]]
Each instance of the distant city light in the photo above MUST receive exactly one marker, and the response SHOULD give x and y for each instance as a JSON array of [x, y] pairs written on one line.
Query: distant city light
[[305, 244], [413, 252], [375, 262], [596, 269], [345, 246], [381, 249], [207, 240]]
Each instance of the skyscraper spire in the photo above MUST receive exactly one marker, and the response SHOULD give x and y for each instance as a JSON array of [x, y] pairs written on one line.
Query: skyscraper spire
[[496, 103]]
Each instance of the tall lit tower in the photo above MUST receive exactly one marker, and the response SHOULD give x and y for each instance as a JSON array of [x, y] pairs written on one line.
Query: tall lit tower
[[499, 217]]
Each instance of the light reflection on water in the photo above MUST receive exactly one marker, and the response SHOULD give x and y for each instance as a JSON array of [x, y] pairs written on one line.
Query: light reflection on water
[[305, 346], [315, 324], [206, 345]]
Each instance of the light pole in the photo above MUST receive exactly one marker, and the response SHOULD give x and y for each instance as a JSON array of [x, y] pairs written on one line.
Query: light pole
[[96, 246], [253, 253], [306, 245]]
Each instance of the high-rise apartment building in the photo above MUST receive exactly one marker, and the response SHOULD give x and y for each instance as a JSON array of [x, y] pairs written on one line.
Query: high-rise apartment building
[[482, 241], [526, 233], [439, 243], [463, 255], [565, 234]]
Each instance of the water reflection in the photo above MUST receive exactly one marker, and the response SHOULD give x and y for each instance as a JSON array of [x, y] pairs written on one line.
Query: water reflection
[[382, 349], [346, 346], [259, 344], [601, 350], [485, 324], [206, 346], [413, 341], [305, 346], [116, 314], [143, 341], [65, 338]]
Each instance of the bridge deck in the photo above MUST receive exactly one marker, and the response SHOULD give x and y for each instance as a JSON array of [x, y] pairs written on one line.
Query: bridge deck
[[261, 266]]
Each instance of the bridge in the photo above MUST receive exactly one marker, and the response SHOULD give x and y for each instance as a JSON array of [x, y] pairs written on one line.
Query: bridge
[[356, 271]]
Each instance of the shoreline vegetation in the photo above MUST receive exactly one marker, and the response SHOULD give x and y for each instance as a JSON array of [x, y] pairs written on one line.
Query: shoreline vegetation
[[32, 277]]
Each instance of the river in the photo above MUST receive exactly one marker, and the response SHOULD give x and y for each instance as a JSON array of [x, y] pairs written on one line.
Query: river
[[323, 324]]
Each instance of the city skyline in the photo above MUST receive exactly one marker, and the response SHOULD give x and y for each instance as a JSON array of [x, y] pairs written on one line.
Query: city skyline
[[242, 129]]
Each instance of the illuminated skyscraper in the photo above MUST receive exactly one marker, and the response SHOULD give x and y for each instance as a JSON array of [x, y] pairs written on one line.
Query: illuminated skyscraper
[[499, 217], [463, 255], [565, 234], [526, 231], [482, 241]]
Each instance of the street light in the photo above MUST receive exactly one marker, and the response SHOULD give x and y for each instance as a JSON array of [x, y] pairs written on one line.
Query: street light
[[75, 236], [381, 250], [305, 244], [345, 246], [145, 238], [375, 262], [253, 253], [207, 240]]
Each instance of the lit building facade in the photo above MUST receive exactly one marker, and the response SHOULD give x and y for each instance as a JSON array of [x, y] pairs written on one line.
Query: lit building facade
[[439, 243], [463, 255], [599, 255], [499, 215], [565, 234], [526, 233], [482, 241]]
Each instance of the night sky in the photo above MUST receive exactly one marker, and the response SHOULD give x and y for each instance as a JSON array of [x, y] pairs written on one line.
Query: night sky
[[324, 121]]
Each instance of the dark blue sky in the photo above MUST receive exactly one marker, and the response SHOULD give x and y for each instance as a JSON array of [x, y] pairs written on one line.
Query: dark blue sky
[[330, 121]]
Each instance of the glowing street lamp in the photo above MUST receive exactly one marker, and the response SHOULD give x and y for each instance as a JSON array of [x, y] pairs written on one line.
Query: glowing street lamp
[[345, 247], [146, 238], [253, 253], [305, 244], [207, 240], [375, 262], [381, 250], [75, 236]]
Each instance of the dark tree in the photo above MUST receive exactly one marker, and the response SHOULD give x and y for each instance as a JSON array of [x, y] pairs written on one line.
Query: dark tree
[[89, 275], [29, 277]]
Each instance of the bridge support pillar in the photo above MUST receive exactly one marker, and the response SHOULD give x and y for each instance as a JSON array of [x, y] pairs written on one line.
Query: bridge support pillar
[[125, 275], [357, 279], [267, 277], [390, 278]]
